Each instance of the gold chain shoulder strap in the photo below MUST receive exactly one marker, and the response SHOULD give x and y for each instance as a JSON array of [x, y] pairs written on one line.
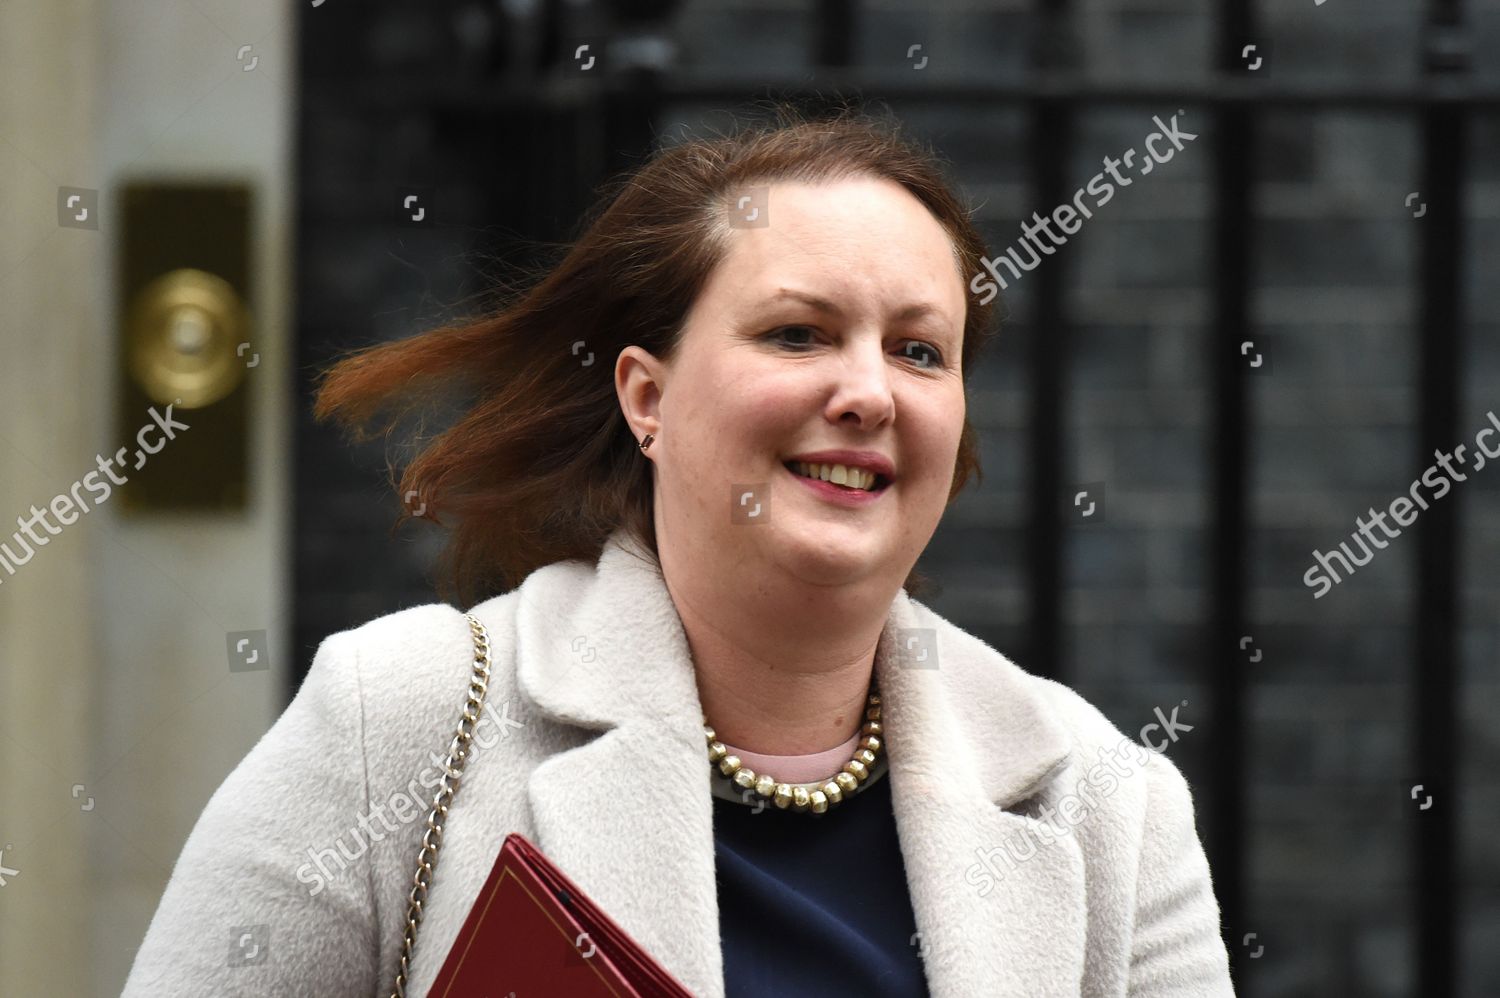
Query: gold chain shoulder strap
[[453, 771]]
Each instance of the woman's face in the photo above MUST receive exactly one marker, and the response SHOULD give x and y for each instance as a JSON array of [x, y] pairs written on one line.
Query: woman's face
[[838, 326]]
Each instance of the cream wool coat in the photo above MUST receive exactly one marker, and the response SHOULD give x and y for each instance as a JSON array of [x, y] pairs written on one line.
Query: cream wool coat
[[595, 752]]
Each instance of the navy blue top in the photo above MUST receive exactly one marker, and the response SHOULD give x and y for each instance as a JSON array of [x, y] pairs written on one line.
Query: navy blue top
[[815, 904]]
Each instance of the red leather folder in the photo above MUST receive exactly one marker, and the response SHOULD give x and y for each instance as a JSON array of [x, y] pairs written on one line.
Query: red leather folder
[[533, 934]]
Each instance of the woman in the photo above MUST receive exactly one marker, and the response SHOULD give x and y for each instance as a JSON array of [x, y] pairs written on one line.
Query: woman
[[710, 444]]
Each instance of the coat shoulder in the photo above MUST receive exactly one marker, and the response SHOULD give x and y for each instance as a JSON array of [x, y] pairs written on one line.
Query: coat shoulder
[[426, 649], [1087, 724], [411, 671], [1087, 729], [1095, 736], [980, 674]]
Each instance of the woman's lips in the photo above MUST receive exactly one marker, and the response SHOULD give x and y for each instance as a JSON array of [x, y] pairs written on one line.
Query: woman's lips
[[837, 493]]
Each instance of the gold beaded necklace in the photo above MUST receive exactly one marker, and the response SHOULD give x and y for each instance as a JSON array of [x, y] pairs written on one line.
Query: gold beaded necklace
[[819, 795]]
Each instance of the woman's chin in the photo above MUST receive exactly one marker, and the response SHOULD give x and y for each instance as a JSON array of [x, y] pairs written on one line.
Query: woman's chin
[[830, 554]]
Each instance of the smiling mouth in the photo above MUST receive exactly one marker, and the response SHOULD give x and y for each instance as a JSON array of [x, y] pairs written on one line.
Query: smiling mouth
[[881, 482]]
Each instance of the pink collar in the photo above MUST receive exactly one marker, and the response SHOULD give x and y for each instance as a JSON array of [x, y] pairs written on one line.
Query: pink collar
[[799, 768]]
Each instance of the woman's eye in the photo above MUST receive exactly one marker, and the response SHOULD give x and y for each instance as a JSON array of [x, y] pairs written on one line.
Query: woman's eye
[[923, 354], [780, 333]]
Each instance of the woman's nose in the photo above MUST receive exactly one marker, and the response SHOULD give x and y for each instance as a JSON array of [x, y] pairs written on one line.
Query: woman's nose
[[862, 385]]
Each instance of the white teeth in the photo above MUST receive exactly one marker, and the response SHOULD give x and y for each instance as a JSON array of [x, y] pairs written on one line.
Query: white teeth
[[838, 474]]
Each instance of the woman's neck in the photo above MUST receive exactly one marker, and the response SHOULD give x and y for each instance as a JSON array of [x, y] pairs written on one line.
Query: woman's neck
[[781, 674]]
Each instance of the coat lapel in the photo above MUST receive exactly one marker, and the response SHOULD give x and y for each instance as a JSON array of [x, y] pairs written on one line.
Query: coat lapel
[[968, 735], [604, 650]]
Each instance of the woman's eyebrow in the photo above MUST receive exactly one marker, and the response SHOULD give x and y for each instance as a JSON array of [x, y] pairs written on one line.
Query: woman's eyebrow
[[821, 304], [918, 310]]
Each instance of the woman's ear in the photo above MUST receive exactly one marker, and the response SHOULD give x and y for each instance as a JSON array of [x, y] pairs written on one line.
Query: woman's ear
[[639, 384]]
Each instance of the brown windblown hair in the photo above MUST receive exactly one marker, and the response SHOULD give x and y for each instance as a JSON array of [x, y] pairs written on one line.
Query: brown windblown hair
[[541, 465]]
